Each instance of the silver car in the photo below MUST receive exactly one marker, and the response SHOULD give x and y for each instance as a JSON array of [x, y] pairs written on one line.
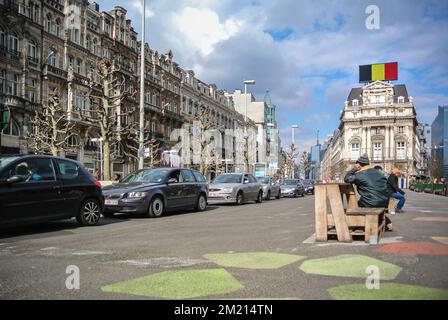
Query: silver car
[[235, 188], [270, 188]]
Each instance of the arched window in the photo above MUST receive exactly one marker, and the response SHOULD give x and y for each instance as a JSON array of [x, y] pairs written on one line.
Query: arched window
[[48, 23], [32, 51], [72, 141], [12, 129], [52, 59], [58, 27], [13, 43]]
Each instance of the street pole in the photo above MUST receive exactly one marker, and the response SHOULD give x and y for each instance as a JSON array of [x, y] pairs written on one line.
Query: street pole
[[142, 92], [101, 158], [292, 150], [246, 82]]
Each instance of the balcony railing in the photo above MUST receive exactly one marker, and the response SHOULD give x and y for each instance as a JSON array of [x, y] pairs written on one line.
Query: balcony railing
[[54, 71]]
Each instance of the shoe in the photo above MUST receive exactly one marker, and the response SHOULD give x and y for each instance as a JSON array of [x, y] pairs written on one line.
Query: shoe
[[390, 227], [392, 212]]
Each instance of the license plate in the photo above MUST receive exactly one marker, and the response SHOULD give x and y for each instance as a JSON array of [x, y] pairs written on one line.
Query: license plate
[[111, 202]]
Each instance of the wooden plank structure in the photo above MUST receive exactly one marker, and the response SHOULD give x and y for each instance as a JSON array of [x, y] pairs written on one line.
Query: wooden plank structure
[[347, 221]]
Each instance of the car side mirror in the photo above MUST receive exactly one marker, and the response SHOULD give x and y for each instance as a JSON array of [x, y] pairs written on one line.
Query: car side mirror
[[172, 180], [13, 180]]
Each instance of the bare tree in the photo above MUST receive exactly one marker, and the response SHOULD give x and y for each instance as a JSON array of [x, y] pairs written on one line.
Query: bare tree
[[51, 132], [107, 112], [290, 157], [129, 141], [304, 163]]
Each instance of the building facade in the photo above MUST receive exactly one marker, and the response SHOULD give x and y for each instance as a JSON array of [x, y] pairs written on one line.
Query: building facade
[[439, 141], [379, 120]]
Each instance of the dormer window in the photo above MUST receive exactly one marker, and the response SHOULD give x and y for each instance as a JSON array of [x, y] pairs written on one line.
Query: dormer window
[[400, 99], [355, 103]]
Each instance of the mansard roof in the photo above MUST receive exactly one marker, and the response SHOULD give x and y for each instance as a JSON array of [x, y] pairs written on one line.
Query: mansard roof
[[400, 90]]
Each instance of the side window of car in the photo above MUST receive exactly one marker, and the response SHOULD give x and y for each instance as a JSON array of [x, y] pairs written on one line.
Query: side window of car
[[252, 179], [188, 176], [199, 177], [67, 169], [33, 170], [176, 175]]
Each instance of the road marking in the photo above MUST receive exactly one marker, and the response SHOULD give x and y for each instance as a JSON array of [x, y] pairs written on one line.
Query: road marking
[[431, 219]]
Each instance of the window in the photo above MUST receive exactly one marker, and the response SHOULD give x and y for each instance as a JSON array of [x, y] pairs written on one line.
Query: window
[[13, 87], [400, 129], [67, 170], [33, 170], [58, 27], [400, 99], [2, 39], [401, 151], [2, 81], [377, 113], [31, 94], [377, 130], [52, 59], [47, 23], [355, 103], [354, 151], [355, 114], [12, 129], [188, 176], [13, 43], [199, 177], [32, 51], [78, 68], [78, 101], [377, 151], [376, 99], [93, 46]]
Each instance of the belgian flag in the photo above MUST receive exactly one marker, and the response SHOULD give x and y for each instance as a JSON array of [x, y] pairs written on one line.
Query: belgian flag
[[379, 71]]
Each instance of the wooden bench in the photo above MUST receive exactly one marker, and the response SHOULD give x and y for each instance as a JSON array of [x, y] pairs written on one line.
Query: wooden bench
[[349, 221]]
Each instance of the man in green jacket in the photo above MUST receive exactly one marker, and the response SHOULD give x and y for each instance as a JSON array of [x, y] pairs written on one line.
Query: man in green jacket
[[371, 185]]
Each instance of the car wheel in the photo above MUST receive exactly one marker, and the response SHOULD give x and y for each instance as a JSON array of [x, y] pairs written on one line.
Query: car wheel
[[89, 213], [239, 198], [295, 194], [259, 197], [269, 195], [303, 194], [108, 214], [202, 203], [156, 207], [279, 194]]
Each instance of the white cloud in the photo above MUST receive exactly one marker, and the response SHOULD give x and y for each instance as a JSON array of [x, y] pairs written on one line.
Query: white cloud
[[202, 30], [139, 6]]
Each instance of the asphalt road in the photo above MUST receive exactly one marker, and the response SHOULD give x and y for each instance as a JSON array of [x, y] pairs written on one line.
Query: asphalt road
[[33, 260]]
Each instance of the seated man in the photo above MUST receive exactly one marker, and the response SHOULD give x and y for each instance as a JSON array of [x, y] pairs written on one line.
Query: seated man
[[370, 184], [394, 191]]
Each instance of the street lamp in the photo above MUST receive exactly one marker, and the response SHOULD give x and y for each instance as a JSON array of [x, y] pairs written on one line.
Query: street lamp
[[294, 126], [100, 141], [141, 141]]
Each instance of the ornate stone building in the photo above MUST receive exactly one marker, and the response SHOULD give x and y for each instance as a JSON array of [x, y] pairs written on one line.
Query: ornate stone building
[[378, 119], [57, 44]]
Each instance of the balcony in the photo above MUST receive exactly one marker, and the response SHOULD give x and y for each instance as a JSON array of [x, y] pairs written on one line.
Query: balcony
[[33, 62], [15, 101], [53, 71]]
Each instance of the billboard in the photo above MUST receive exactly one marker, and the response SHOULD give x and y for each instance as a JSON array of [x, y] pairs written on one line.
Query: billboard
[[379, 71]]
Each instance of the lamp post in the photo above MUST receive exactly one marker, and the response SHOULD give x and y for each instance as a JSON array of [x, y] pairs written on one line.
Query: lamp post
[[246, 83], [294, 126], [100, 141], [141, 141]]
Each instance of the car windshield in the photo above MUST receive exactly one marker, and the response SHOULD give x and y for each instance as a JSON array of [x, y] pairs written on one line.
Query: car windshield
[[263, 180], [4, 161], [308, 183], [228, 178], [150, 175], [289, 182]]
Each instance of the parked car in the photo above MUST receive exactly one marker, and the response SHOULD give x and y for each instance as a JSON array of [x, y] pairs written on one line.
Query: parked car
[[270, 187], [292, 188], [36, 188], [155, 191], [235, 188], [309, 186]]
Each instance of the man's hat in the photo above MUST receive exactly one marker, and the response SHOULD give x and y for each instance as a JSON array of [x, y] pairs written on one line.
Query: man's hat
[[364, 159]]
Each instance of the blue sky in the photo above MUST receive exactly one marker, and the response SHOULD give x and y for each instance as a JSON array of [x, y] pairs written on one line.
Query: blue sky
[[306, 53]]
